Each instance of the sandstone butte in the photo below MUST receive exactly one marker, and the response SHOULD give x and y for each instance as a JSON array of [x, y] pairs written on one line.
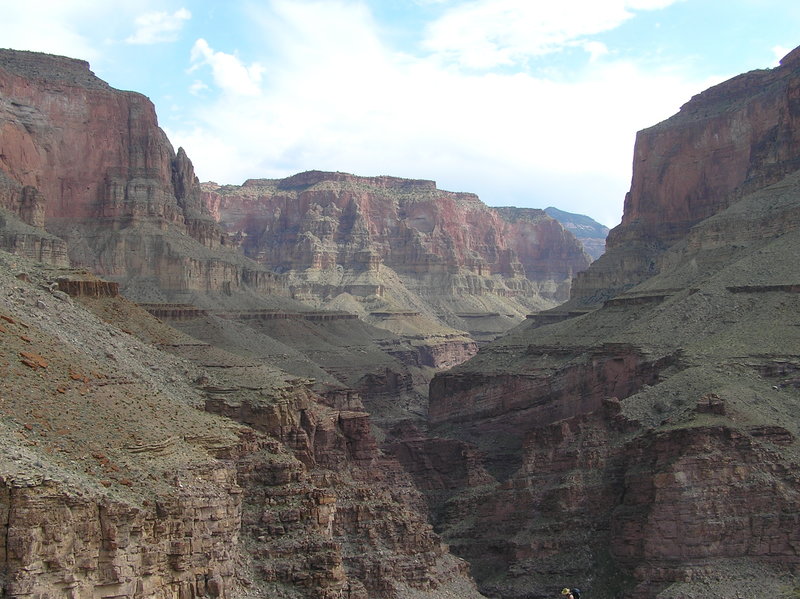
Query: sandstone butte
[[638, 441]]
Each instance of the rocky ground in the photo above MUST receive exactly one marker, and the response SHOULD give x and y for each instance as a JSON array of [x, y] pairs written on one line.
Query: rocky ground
[[104, 405], [678, 475], [73, 383]]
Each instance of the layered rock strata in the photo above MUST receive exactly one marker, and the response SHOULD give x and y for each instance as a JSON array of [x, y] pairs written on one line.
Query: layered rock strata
[[727, 141], [188, 471], [647, 448], [385, 245], [90, 164], [22, 222]]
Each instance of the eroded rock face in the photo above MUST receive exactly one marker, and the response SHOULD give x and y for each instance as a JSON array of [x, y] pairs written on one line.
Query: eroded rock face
[[645, 448], [699, 495], [89, 163], [732, 139], [90, 150], [187, 471], [62, 541], [429, 237], [22, 224]]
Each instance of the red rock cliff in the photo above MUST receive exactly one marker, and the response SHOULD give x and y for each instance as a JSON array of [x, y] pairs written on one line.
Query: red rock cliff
[[646, 448], [318, 220], [731, 139], [91, 159], [91, 150]]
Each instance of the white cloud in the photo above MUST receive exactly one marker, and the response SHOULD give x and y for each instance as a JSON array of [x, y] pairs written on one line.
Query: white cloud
[[228, 72], [49, 26], [483, 34], [780, 52], [78, 28], [338, 99], [158, 27], [595, 50], [197, 87]]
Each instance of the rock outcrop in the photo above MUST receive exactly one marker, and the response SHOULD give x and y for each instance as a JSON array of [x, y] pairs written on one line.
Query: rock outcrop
[[141, 462], [395, 246], [90, 164], [732, 139], [646, 447], [88, 179], [641, 441], [22, 224], [138, 461]]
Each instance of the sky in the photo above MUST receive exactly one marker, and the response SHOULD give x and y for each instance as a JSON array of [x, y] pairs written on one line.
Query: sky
[[525, 102]]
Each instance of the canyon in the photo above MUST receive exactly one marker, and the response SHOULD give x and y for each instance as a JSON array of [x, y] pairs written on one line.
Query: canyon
[[337, 386], [194, 407], [639, 438]]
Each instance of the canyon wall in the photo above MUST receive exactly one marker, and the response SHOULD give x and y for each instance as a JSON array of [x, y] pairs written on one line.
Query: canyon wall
[[394, 246], [638, 441], [641, 441], [727, 141], [321, 220], [87, 178], [90, 164], [140, 462]]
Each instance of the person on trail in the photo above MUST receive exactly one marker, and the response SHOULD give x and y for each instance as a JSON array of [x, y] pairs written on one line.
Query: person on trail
[[570, 593]]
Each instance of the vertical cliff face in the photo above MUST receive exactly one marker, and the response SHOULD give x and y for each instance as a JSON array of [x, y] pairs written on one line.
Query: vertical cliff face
[[727, 141], [90, 164], [646, 448], [320, 220], [390, 248], [90, 150]]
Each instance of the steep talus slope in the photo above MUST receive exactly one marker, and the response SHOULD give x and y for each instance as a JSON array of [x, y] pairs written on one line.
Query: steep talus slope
[[389, 247], [338, 355], [87, 178], [138, 461], [648, 447], [105, 458], [641, 441]]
